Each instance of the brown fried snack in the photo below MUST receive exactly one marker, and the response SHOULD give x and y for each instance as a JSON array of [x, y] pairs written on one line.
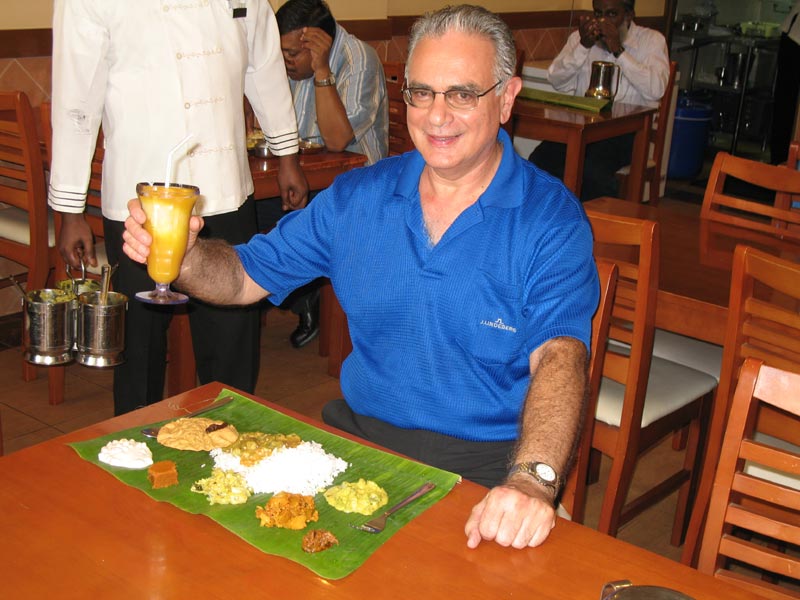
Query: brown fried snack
[[162, 474], [289, 511], [197, 433], [318, 540]]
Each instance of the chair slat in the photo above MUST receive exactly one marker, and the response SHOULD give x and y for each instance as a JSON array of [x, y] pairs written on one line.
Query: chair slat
[[755, 487], [758, 556]]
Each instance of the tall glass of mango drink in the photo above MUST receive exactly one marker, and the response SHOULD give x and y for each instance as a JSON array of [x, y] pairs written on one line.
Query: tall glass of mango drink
[[168, 209]]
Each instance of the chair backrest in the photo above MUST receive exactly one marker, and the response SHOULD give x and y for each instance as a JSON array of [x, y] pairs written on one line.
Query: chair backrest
[[662, 122], [633, 245], [763, 319], [22, 185], [727, 206], [399, 139], [743, 501], [573, 498]]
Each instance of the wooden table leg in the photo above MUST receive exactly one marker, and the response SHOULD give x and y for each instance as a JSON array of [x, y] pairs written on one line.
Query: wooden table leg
[[55, 384], [181, 367], [641, 149], [573, 164], [327, 300], [340, 345]]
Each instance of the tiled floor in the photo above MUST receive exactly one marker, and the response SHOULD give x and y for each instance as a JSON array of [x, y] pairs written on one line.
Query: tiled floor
[[294, 378]]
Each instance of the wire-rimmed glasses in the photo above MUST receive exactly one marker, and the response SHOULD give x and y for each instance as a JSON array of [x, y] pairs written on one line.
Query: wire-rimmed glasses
[[456, 98]]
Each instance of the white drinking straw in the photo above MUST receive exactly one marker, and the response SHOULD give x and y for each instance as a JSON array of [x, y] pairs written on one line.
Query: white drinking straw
[[169, 158]]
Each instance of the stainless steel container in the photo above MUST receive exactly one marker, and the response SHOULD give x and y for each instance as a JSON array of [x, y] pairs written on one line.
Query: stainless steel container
[[48, 326], [601, 82], [77, 287], [101, 329]]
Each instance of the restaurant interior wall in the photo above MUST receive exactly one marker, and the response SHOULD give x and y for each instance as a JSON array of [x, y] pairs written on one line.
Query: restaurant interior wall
[[540, 29]]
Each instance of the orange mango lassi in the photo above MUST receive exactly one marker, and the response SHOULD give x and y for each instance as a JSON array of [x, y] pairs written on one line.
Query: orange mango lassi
[[168, 210]]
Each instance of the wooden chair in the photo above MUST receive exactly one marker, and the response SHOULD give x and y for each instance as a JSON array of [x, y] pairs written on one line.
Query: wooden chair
[[777, 218], [642, 399], [26, 233], [719, 207], [655, 171], [399, 138], [573, 498], [763, 323], [746, 499]]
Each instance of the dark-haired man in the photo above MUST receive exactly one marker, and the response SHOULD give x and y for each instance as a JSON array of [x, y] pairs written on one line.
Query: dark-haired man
[[339, 93], [609, 34]]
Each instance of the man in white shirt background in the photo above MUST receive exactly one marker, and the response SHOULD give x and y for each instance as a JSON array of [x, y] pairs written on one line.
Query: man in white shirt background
[[151, 72], [610, 34]]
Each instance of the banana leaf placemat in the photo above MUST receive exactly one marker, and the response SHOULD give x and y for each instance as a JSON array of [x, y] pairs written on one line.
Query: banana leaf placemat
[[580, 102], [398, 476]]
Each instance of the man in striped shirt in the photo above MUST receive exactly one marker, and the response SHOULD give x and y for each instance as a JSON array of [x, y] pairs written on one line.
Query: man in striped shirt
[[339, 94]]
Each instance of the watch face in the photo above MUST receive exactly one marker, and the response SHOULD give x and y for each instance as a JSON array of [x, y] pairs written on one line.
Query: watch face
[[546, 472]]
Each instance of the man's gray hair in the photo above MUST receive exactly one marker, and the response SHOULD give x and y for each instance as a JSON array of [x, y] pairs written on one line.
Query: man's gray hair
[[470, 19]]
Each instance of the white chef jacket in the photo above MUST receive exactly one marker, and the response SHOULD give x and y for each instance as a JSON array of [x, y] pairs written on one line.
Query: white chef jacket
[[644, 66], [154, 71]]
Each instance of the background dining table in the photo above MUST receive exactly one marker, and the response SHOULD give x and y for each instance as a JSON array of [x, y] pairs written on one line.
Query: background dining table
[[70, 529], [576, 128], [695, 259]]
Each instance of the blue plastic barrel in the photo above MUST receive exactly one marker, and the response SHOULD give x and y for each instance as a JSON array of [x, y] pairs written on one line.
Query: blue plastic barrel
[[689, 139]]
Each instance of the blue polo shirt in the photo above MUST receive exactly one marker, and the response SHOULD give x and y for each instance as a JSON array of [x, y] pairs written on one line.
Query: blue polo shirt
[[441, 334]]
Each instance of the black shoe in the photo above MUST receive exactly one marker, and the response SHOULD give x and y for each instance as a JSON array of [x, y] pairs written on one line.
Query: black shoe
[[306, 331]]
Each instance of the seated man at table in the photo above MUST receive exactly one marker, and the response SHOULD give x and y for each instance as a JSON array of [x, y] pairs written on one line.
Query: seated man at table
[[467, 277], [641, 55], [339, 93]]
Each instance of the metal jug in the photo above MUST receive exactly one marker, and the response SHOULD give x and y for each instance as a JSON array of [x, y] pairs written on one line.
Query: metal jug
[[101, 329], [48, 326], [602, 78]]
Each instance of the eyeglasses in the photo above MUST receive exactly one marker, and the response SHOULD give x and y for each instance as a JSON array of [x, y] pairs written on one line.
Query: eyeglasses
[[421, 97]]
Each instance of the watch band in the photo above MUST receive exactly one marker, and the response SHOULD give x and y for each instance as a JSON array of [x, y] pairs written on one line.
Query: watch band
[[619, 52], [328, 81], [533, 468]]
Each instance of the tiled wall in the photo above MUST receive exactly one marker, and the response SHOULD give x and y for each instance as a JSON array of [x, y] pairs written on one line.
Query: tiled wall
[[32, 74]]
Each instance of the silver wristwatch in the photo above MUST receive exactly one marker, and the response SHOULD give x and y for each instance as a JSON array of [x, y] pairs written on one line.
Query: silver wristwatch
[[330, 80], [541, 472]]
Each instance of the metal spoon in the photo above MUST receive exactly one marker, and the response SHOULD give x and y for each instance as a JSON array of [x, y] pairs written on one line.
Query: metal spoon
[[152, 432]]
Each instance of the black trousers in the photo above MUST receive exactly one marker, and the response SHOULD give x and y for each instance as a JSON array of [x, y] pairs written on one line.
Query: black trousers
[[225, 340], [787, 86], [603, 159], [485, 463]]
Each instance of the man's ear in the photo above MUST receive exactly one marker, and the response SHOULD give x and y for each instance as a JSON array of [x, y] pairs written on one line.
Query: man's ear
[[512, 88]]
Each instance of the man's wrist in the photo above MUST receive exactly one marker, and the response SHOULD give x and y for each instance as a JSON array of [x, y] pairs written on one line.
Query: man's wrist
[[619, 52], [322, 80]]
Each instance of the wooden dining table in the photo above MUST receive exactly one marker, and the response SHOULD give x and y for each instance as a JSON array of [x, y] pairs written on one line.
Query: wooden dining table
[[320, 169], [695, 261], [72, 530], [577, 128]]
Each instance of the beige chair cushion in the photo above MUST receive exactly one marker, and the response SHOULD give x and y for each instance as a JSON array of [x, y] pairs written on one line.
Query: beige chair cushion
[[770, 474], [14, 226], [688, 351], [669, 387]]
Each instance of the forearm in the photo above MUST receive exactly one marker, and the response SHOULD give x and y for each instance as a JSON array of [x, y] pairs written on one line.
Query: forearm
[[334, 126], [554, 405], [213, 273]]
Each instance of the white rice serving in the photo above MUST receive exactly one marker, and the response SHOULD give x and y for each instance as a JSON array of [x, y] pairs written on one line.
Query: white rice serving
[[305, 469]]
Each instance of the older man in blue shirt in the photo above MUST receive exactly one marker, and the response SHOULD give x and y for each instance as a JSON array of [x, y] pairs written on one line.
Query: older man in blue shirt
[[467, 277]]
